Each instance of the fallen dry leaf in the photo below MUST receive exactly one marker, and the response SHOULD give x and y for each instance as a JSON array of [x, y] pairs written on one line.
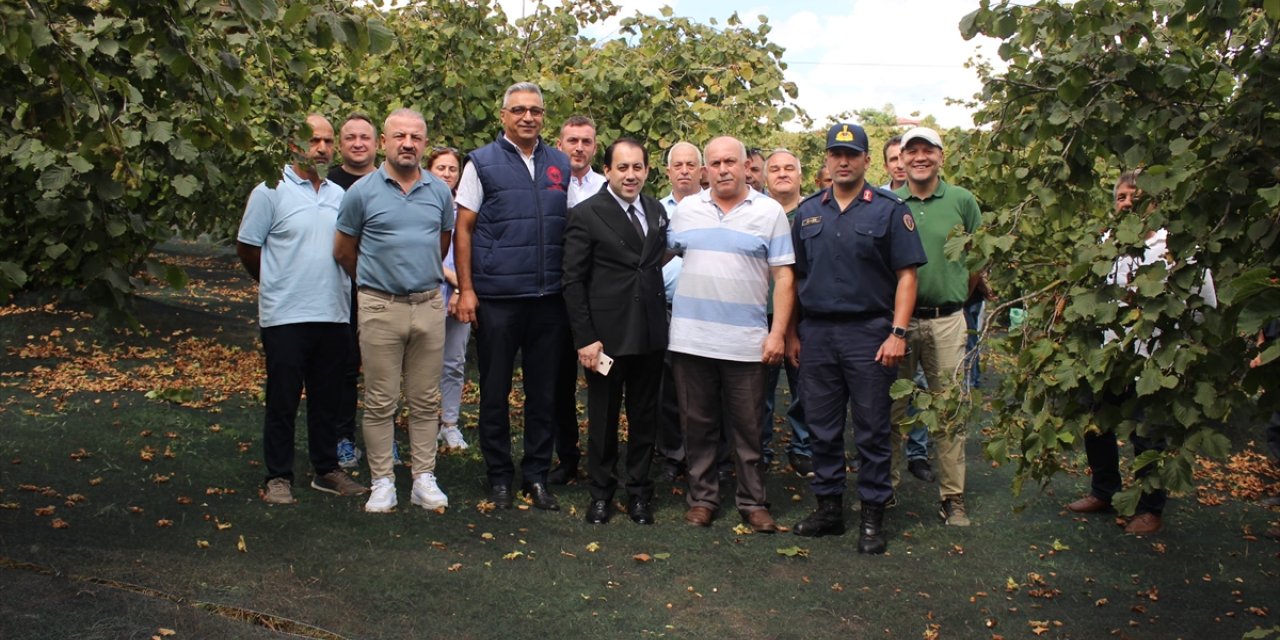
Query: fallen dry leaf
[[59, 523], [164, 522], [241, 546], [642, 557]]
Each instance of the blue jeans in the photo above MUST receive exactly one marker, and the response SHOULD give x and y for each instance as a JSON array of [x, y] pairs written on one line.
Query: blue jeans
[[453, 378], [795, 412]]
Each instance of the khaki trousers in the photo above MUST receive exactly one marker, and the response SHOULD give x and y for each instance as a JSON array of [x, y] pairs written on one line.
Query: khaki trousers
[[401, 341], [937, 345]]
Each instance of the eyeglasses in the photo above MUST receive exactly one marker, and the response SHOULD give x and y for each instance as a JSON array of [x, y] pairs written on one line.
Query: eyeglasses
[[519, 111]]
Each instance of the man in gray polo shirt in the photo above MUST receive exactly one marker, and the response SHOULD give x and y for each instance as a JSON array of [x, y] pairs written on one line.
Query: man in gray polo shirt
[[393, 228]]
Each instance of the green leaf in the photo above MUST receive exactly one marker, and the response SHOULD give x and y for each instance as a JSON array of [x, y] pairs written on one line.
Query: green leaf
[[381, 38], [902, 388], [13, 273], [176, 276], [55, 178], [78, 163], [793, 552], [259, 9], [116, 228], [1273, 8], [297, 12], [1270, 195], [55, 250], [159, 131], [186, 185]]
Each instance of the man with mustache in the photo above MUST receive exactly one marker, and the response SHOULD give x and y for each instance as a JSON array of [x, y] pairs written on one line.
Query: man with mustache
[[285, 243], [857, 252], [512, 204]]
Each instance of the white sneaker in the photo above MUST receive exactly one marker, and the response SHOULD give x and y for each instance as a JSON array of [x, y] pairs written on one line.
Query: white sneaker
[[452, 437], [383, 497], [426, 493]]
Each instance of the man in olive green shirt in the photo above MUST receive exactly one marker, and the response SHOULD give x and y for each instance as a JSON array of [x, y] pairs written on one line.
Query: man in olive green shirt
[[936, 336]]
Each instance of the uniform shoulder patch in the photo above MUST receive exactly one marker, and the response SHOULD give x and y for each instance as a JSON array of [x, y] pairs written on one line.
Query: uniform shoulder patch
[[909, 222], [804, 222]]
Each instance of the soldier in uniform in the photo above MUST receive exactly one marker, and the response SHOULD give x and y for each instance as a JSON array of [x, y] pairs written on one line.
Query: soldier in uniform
[[856, 258]]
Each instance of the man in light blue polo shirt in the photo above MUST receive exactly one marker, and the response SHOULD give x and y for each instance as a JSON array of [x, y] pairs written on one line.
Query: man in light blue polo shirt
[[393, 228], [285, 243]]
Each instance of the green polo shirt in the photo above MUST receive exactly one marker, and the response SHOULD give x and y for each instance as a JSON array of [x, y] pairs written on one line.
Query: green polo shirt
[[942, 281]]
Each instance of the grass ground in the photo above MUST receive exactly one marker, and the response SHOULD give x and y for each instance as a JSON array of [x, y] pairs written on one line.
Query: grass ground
[[131, 517]]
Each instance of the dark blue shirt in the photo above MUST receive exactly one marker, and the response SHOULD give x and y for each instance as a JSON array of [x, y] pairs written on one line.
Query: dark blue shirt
[[847, 261]]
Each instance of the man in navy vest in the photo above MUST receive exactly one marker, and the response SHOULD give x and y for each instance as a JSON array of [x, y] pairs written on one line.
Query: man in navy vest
[[512, 204]]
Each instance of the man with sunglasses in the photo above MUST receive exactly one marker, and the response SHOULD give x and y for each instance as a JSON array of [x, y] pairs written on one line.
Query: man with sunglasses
[[512, 205]]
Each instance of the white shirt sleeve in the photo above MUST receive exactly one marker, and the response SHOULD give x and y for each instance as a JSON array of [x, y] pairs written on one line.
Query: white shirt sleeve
[[470, 191]]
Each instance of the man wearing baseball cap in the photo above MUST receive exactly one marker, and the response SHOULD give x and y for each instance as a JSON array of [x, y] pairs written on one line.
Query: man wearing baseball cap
[[937, 333], [857, 252]]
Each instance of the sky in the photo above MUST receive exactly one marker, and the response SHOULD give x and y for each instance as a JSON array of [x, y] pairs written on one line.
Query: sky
[[846, 55]]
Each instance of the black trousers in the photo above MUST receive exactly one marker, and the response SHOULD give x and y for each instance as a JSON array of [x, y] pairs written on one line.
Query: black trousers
[[350, 378], [639, 377], [566, 417], [1103, 455], [538, 329], [308, 355]]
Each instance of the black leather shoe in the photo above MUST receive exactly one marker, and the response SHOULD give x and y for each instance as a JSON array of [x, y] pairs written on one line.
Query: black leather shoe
[[671, 472], [599, 512], [920, 469], [541, 496], [639, 510], [562, 473], [500, 495]]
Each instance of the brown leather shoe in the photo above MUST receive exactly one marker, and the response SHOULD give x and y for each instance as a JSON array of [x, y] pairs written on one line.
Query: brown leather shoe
[[1143, 524], [1089, 504], [760, 521], [698, 516]]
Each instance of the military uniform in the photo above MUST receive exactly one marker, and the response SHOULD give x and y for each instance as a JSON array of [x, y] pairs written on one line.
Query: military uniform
[[846, 267]]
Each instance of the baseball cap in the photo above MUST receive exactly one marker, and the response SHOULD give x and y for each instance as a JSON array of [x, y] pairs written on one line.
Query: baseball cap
[[922, 133], [849, 136]]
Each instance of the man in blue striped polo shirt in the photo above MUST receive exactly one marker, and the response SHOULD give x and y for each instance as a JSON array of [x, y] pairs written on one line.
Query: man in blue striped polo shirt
[[734, 240]]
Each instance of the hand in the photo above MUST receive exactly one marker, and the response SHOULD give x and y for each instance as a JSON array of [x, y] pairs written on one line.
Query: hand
[[774, 348], [1256, 362], [465, 310], [589, 356], [793, 349], [452, 309], [891, 351]]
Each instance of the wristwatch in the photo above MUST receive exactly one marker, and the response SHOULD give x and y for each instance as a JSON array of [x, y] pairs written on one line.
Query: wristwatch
[[901, 332]]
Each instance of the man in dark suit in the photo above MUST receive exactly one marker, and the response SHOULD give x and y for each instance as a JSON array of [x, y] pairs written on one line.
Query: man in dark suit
[[614, 245]]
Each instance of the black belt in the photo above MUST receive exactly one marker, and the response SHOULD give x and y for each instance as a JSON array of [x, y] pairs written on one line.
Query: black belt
[[412, 298], [847, 317], [929, 313]]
